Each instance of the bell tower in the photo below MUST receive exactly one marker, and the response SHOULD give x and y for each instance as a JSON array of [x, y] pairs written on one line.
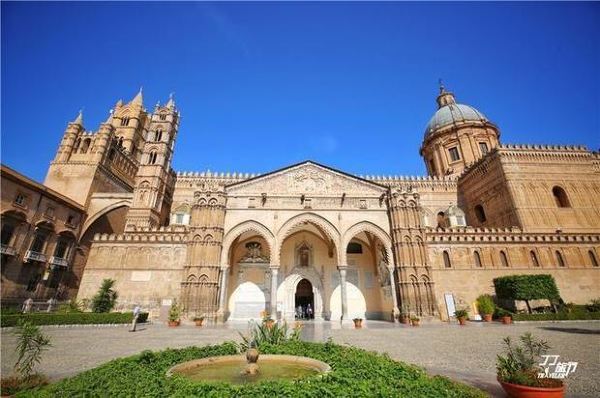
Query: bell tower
[[154, 181]]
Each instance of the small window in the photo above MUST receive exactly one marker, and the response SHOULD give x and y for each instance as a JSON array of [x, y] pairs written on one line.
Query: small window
[[152, 158], [534, 259], [593, 259], [441, 220], [38, 242], [62, 247], [7, 233], [179, 218], [125, 121], [71, 219], [478, 263], [20, 199], [158, 136], [454, 156], [480, 213], [559, 259], [354, 248], [49, 212], [163, 116], [447, 263], [503, 258], [483, 148], [120, 142], [560, 197], [111, 154]]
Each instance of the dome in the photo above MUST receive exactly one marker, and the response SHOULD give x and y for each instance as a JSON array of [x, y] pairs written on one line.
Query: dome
[[453, 113]]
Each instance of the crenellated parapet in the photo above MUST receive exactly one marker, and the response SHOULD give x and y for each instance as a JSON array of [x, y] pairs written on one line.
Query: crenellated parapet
[[172, 233], [502, 235]]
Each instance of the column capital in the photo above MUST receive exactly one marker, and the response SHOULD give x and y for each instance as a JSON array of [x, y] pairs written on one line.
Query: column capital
[[274, 267], [342, 267], [225, 267]]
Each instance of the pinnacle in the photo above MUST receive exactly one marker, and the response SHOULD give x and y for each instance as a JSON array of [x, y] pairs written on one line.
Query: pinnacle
[[139, 98], [79, 119], [171, 103]]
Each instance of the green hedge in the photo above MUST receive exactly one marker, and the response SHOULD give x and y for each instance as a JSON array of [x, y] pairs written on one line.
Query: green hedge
[[560, 316], [71, 318], [355, 373], [526, 287]]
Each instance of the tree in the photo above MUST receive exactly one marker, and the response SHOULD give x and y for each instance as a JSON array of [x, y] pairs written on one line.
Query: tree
[[527, 287], [30, 344], [106, 298]]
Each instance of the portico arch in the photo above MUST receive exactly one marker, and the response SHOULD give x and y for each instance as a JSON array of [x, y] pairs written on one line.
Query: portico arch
[[322, 224], [287, 289], [366, 226], [238, 230]]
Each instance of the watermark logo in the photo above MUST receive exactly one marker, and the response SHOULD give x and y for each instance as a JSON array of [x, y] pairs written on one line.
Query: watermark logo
[[554, 369]]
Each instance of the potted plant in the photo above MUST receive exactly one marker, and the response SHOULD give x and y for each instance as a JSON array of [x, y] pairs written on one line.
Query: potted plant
[[462, 316], [198, 320], [415, 320], [519, 373], [505, 316], [357, 323], [174, 313], [486, 307]]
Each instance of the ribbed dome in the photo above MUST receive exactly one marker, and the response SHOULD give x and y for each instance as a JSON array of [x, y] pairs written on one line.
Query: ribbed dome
[[453, 113]]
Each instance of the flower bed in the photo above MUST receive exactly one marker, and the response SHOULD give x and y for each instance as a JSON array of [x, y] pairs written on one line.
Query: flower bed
[[355, 373], [71, 318]]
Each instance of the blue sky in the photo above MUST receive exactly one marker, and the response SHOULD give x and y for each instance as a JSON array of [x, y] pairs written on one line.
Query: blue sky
[[264, 85]]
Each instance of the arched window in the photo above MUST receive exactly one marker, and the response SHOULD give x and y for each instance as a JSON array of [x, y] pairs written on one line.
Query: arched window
[[559, 259], [477, 256], [125, 121], [560, 197], [480, 213], [441, 219], [593, 259], [86, 145], [152, 158], [120, 142], [77, 144], [534, 259], [354, 248], [111, 154], [163, 116], [447, 263], [158, 135], [503, 258]]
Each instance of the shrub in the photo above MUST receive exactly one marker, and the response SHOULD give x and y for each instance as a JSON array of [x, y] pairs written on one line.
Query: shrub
[[106, 298], [71, 318], [560, 316], [261, 334], [174, 312], [520, 365], [594, 305], [13, 384], [463, 313], [31, 342], [485, 304], [355, 373], [526, 287]]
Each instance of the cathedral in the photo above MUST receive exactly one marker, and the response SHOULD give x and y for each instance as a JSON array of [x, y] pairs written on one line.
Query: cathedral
[[236, 246]]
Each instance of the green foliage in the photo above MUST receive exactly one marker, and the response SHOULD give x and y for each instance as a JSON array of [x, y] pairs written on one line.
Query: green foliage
[[461, 313], [594, 305], [526, 287], [71, 306], [106, 298], [174, 312], [485, 304], [501, 312], [355, 373], [561, 316], [520, 365], [261, 334], [70, 318], [31, 342]]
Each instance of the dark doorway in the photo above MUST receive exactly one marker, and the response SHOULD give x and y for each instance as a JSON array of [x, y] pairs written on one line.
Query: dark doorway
[[305, 300]]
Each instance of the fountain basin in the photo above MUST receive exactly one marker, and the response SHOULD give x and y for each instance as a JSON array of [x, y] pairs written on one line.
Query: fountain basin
[[229, 369]]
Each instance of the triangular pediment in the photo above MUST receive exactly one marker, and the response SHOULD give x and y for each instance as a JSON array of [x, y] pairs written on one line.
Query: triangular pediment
[[308, 178]]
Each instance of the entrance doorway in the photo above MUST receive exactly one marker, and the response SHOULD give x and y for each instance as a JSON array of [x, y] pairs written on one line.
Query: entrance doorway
[[304, 302]]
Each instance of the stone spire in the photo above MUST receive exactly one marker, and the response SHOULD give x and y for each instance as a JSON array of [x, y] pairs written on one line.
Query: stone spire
[[79, 119], [139, 98], [171, 103], [110, 117]]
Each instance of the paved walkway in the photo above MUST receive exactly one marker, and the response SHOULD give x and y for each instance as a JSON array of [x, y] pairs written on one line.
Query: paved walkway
[[463, 353]]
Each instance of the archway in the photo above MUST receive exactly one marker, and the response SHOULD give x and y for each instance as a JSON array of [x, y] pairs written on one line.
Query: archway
[[304, 300]]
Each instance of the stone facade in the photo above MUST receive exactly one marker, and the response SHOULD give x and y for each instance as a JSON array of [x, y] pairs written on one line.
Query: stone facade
[[235, 246]]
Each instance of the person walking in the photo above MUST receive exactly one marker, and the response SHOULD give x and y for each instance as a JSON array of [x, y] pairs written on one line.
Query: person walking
[[27, 306], [136, 314]]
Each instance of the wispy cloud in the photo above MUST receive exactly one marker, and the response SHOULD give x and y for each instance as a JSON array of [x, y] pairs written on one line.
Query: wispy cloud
[[225, 25]]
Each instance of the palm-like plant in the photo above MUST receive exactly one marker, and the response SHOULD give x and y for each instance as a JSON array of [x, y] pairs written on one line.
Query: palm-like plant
[[31, 342], [106, 298]]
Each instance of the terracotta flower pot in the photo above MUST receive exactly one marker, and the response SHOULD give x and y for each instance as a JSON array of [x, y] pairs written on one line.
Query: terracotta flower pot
[[173, 323], [518, 391], [487, 317], [357, 323], [415, 323], [199, 322], [506, 320], [404, 319], [462, 321]]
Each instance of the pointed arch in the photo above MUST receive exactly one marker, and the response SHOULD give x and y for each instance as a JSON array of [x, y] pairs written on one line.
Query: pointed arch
[[367, 226], [238, 230]]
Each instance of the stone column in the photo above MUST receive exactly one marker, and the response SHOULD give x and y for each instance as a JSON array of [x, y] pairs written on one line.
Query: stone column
[[395, 310], [223, 293], [274, 273], [343, 269]]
